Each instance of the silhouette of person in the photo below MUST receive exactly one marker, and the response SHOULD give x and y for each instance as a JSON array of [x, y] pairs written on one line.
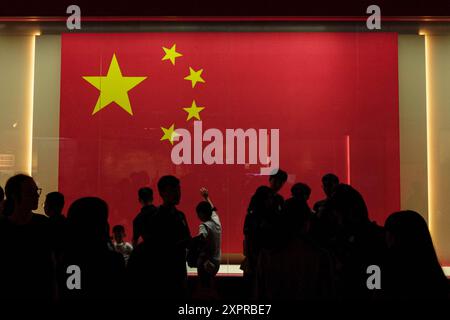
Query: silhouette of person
[[276, 182], [102, 269], [358, 243], [157, 266], [122, 247], [411, 269], [329, 183], [259, 232], [210, 232], [294, 268], [27, 266], [2, 199], [145, 196]]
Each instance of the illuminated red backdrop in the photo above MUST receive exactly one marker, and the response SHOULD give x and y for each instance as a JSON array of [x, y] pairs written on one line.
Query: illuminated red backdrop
[[334, 97]]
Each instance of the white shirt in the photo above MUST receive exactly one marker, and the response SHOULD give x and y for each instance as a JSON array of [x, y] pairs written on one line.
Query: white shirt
[[211, 230], [124, 248]]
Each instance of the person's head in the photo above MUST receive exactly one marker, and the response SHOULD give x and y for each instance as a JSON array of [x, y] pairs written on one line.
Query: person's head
[[88, 220], [407, 231], [262, 200], [145, 196], [204, 211], [329, 183], [409, 242], [169, 190], [277, 180], [118, 233], [349, 206], [54, 204], [301, 191], [22, 194]]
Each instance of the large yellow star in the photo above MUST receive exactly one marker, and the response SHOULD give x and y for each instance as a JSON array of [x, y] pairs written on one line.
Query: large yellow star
[[169, 133], [114, 87], [195, 76], [193, 111], [171, 54]]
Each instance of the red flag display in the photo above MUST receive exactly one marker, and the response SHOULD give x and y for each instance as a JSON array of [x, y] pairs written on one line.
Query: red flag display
[[333, 97]]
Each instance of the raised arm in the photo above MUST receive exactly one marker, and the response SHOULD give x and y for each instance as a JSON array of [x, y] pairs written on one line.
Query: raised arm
[[205, 195]]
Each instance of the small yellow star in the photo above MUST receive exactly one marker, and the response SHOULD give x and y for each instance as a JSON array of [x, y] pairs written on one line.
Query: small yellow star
[[193, 111], [195, 76], [169, 133], [171, 54]]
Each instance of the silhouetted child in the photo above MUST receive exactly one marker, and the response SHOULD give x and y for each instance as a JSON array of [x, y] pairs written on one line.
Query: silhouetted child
[[210, 232], [122, 247]]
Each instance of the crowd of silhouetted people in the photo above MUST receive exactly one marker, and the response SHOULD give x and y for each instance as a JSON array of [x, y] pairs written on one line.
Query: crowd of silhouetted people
[[291, 251]]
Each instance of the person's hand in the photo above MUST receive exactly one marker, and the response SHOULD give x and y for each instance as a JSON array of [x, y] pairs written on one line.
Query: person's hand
[[204, 193]]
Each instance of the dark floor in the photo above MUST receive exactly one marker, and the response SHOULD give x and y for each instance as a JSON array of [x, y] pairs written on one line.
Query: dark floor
[[228, 288]]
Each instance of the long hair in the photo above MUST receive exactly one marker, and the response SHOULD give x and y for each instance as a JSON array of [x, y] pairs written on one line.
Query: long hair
[[350, 206], [258, 200], [413, 252], [412, 239]]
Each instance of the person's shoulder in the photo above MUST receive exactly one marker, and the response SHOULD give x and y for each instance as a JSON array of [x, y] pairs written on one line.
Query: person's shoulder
[[148, 209], [57, 220], [138, 216], [180, 213], [208, 224], [161, 209], [215, 218], [320, 202], [39, 219]]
